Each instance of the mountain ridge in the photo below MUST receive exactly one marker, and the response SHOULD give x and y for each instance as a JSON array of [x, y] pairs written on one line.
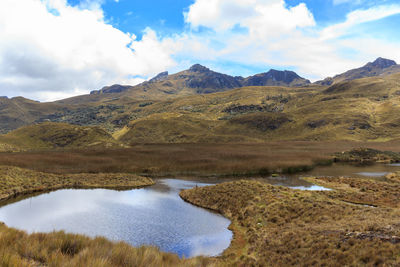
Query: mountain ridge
[[203, 80], [381, 66]]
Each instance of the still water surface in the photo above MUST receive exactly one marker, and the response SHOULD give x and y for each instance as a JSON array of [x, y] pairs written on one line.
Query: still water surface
[[154, 215], [151, 216]]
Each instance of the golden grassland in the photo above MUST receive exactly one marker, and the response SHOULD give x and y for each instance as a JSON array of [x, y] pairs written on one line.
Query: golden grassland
[[189, 159], [17, 248], [272, 225], [16, 181], [55, 136], [360, 110], [277, 226]]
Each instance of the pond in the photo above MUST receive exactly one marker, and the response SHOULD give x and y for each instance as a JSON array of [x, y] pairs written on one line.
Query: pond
[[154, 215], [376, 171]]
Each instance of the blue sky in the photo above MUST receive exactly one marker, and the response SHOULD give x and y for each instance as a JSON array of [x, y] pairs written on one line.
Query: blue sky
[[166, 17], [52, 49]]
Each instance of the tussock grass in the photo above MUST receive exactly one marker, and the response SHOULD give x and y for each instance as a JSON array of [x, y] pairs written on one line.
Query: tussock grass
[[277, 226], [60, 249], [51, 135], [190, 159], [16, 181]]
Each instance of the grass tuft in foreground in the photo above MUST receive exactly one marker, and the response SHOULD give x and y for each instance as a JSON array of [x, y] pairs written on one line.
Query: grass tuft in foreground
[[60, 249]]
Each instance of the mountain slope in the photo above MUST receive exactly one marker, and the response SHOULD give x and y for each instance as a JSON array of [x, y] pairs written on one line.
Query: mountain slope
[[276, 78], [57, 135], [361, 110], [379, 67], [200, 80], [19, 111]]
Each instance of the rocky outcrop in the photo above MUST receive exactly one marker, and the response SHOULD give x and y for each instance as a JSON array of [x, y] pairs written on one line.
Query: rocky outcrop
[[276, 78], [160, 77], [207, 81], [116, 88]]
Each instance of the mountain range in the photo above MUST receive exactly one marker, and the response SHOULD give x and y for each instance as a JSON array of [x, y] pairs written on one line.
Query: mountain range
[[200, 105]]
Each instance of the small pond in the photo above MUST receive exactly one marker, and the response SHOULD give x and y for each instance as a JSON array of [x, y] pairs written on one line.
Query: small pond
[[154, 215]]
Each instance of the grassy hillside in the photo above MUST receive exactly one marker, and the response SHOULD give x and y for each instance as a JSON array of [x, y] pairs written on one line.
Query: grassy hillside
[[360, 110], [56, 136]]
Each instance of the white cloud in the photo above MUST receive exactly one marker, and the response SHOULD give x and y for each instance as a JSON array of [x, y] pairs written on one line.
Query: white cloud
[[358, 17], [278, 35], [50, 50], [259, 16]]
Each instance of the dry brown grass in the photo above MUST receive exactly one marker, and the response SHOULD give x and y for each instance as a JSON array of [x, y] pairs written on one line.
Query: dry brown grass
[[382, 193], [277, 226], [16, 181], [18, 249], [59, 249], [189, 159]]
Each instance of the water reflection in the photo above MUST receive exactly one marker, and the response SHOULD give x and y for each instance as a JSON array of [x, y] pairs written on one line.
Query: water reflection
[[150, 216]]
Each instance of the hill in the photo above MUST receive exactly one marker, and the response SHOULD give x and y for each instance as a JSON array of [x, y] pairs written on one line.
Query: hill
[[199, 80], [359, 110], [379, 67], [363, 109], [56, 136]]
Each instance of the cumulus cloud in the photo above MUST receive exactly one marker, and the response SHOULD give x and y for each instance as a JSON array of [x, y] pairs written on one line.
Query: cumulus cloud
[[276, 34], [261, 17], [51, 50]]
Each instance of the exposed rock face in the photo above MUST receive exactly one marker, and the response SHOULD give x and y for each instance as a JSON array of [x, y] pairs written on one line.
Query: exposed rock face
[[208, 81], [381, 63], [276, 78], [116, 88], [160, 77], [199, 68], [204, 81], [380, 66], [325, 82]]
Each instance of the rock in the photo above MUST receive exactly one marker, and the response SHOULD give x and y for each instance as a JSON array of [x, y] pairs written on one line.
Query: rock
[[160, 77]]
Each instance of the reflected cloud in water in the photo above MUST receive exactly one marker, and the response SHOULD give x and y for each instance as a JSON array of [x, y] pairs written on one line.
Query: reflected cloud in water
[[147, 216]]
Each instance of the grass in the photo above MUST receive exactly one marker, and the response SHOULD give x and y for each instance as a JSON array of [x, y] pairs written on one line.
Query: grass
[[16, 181], [55, 136], [18, 248], [272, 225], [277, 226], [60, 249], [189, 159]]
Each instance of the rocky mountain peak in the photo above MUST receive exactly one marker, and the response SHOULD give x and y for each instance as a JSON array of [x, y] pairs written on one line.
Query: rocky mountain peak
[[276, 78], [382, 63], [199, 68], [160, 77]]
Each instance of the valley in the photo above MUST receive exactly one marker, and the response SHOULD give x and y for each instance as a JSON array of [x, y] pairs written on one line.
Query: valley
[[243, 147]]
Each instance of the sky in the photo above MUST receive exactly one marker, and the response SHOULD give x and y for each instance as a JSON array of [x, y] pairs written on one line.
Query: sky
[[54, 49]]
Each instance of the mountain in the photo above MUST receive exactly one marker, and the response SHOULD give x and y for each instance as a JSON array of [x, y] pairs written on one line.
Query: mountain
[[200, 105], [199, 79], [19, 111], [276, 78], [380, 66], [358, 110]]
